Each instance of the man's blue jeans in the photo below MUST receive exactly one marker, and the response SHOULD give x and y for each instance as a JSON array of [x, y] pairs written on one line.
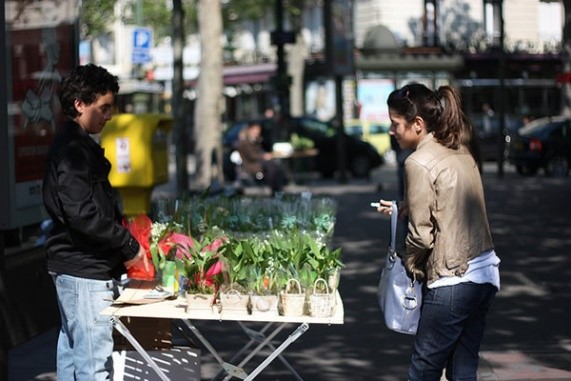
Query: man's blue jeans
[[85, 343], [451, 328]]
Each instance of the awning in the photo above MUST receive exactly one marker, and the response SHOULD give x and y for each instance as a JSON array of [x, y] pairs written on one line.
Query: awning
[[239, 79], [409, 62], [246, 74]]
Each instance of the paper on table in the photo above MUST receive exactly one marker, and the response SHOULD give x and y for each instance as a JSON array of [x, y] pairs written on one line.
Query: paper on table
[[130, 296]]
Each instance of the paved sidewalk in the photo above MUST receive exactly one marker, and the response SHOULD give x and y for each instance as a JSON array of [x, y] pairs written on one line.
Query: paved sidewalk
[[528, 337]]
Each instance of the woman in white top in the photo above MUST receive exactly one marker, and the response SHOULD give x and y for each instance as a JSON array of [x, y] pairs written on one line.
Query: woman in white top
[[448, 244]]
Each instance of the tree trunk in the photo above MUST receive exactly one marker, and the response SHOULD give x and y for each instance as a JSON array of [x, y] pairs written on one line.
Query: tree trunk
[[179, 127], [566, 58], [207, 126]]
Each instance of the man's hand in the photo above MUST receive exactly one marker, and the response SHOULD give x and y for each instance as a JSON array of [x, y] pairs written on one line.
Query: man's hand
[[141, 256]]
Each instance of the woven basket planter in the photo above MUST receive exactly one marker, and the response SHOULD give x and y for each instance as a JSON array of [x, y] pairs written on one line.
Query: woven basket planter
[[321, 304], [235, 302], [199, 302], [292, 303]]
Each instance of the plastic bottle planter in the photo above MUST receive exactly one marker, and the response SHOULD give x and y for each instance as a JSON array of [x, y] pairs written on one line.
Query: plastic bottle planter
[[333, 279], [264, 304], [168, 276]]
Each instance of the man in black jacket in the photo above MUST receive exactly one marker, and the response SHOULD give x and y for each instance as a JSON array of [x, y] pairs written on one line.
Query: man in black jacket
[[88, 248]]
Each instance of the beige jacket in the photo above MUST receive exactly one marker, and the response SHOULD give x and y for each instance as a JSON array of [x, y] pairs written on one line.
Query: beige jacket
[[448, 224]]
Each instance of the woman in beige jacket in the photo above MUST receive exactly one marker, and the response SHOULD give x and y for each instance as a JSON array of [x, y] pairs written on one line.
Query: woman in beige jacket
[[449, 244]]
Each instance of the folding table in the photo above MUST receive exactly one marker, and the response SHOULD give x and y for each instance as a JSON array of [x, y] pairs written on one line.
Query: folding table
[[131, 304]]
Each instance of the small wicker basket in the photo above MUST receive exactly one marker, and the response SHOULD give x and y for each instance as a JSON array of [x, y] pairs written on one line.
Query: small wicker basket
[[233, 301], [292, 304], [321, 304]]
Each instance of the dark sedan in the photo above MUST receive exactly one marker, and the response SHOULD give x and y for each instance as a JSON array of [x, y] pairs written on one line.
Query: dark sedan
[[544, 143], [362, 157], [487, 129]]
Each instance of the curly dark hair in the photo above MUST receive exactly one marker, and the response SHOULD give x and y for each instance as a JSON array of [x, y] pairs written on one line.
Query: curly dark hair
[[85, 83]]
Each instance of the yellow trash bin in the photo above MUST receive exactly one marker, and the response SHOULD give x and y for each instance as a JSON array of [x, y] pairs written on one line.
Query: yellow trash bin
[[136, 146]]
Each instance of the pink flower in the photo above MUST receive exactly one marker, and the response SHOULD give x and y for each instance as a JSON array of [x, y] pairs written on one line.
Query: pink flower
[[182, 241], [214, 245]]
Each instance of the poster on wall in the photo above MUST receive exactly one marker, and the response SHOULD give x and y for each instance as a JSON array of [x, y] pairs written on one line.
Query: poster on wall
[[372, 95], [37, 111], [320, 99], [38, 56]]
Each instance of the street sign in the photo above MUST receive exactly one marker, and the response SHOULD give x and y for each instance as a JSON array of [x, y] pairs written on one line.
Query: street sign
[[142, 42]]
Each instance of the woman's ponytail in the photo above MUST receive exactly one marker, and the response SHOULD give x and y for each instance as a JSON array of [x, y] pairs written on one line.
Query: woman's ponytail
[[454, 129]]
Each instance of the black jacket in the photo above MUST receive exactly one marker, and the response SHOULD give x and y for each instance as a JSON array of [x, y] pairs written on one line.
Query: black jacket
[[87, 239]]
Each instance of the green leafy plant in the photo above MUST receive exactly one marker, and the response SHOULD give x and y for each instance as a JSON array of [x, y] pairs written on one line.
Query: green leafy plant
[[235, 261], [300, 143], [201, 267]]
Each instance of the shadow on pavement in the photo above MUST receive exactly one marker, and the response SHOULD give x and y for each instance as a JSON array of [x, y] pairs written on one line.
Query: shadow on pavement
[[528, 335]]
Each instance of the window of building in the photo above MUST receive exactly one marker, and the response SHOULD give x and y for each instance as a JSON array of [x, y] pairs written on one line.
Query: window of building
[[549, 15]]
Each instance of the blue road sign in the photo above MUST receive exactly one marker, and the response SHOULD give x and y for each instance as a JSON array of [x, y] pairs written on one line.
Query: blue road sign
[[142, 42]]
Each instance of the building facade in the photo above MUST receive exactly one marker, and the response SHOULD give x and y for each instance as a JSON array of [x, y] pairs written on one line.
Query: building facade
[[433, 41], [527, 65]]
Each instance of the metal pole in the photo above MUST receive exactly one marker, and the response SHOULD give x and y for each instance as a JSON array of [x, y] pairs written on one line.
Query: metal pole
[[4, 341], [341, 156], [501, 102], [291, 338], [337, 72], [179, 128], [282, 84]]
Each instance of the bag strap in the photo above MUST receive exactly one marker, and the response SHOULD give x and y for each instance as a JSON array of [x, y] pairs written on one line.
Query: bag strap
[[394, 220]]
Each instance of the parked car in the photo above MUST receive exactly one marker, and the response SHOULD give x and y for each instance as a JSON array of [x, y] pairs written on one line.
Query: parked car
[[543, 143], [361, 157], [487, 128], [376, 133]]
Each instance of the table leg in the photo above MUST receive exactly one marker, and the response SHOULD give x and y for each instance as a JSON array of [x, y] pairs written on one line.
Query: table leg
[[294, 336], [123, 330], [255, 336], [258, 336], [260, 346]]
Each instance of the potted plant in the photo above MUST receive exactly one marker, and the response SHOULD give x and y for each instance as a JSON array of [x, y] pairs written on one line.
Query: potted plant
[[325, 262], [292, 297], [234, 254], [251, 265], [321, 299], [266, 278], [200, 266]]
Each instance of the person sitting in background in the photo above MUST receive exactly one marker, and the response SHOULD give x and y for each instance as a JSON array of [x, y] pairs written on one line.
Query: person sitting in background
[[256, 161]]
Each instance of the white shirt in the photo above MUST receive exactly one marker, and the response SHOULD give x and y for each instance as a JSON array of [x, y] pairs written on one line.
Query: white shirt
[[482, 269]]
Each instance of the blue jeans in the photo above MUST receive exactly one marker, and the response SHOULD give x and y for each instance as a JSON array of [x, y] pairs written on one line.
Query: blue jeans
[[85, 343], [450, 331]]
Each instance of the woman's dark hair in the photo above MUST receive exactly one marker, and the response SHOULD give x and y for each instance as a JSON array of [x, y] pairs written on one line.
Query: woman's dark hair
[[441, 111], [85, 83]]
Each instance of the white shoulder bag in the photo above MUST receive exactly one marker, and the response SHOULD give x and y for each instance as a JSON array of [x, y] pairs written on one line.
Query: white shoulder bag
[[400, 297]]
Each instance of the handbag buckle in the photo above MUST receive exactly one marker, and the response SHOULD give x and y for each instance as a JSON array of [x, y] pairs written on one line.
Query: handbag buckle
[[391, 258]]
